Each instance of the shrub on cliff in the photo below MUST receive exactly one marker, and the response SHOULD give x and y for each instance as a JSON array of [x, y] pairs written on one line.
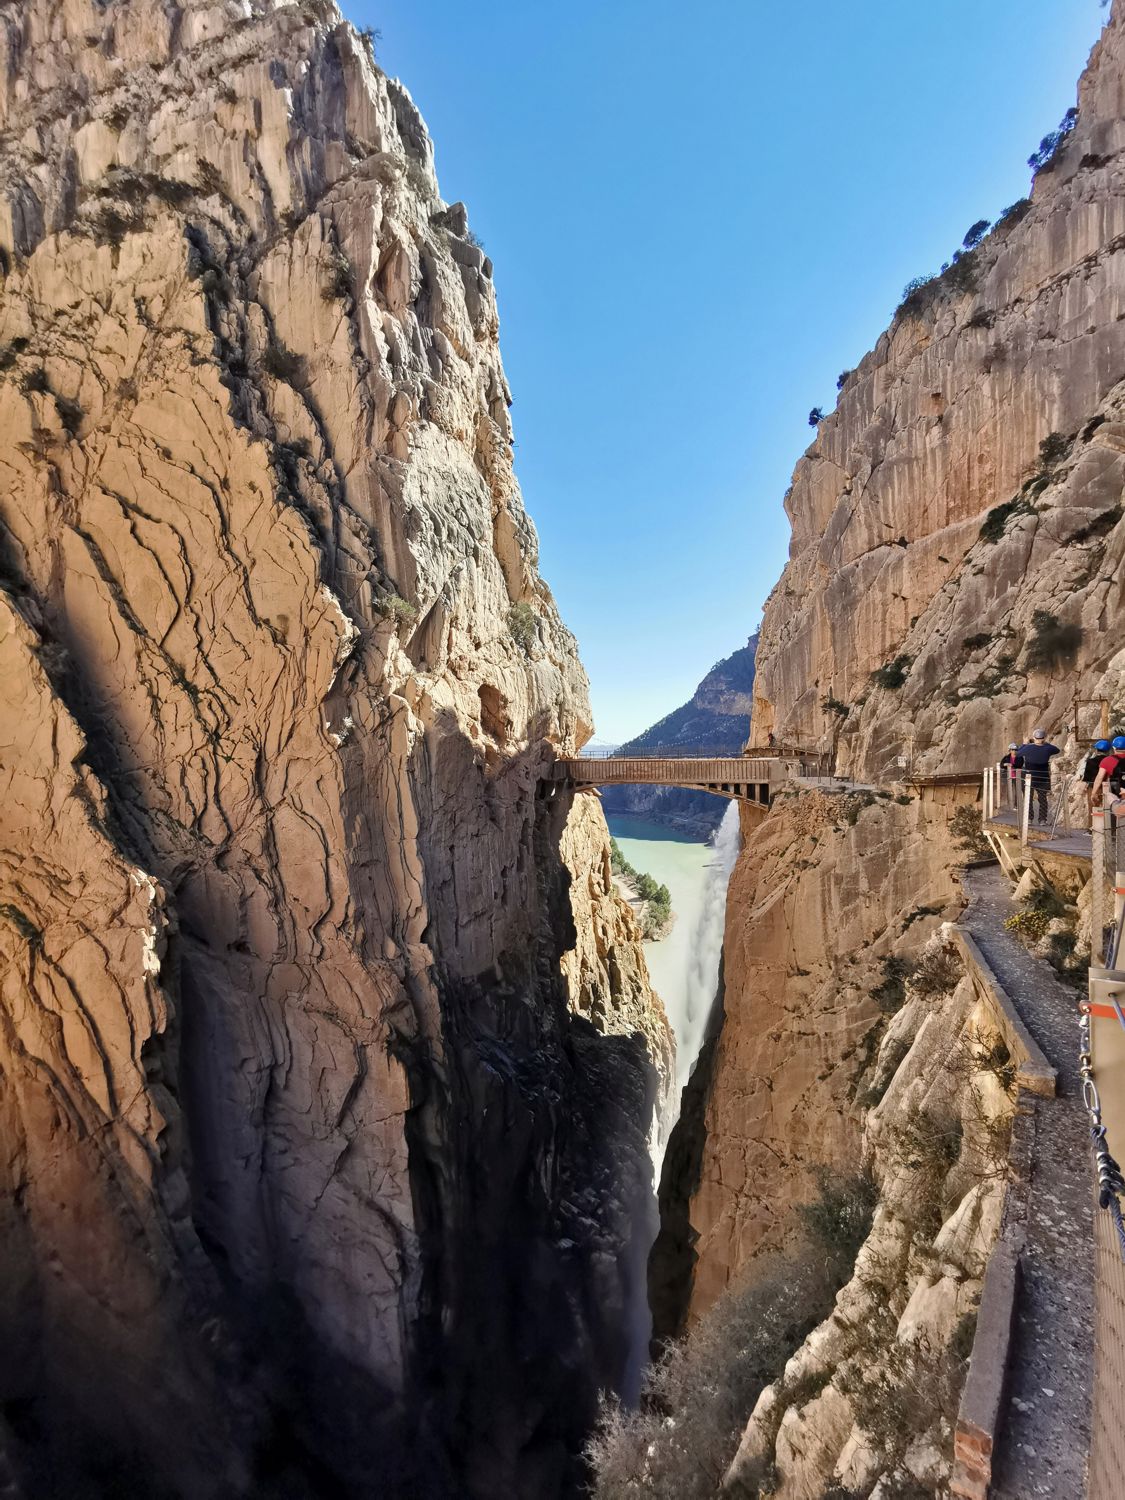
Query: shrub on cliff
[[522, 622], [994, 524], [397, 609], [967, 833], [1045, 157], [893, 674], [838, 1220], [698, 1396]]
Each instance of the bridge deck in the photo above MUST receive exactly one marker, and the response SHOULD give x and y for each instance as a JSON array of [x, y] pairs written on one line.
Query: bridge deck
[[752, 777]]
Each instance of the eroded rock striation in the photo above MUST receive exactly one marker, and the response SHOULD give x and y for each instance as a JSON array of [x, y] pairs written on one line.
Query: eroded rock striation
[[970, 477], [954, 579], [314, 1139]]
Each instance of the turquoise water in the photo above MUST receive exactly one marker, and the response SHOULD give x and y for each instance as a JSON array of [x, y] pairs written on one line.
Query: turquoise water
[[681, 864], [684, 966]]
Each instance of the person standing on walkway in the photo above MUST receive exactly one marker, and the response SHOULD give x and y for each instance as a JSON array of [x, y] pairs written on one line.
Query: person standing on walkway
[[1111, 772], [1090, 767], [1036, 755], [1010, 767]]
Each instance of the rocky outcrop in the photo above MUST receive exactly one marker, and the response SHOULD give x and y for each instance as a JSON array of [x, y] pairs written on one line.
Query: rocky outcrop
[[957, 522], [827, 892], [288, 1032], [873, 1391], [715, 720]]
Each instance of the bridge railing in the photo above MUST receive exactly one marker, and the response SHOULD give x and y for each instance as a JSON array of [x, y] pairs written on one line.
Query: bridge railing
[[672, 771]]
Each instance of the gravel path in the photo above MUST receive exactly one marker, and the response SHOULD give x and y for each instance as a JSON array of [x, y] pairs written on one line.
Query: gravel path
[[1045, 1438]]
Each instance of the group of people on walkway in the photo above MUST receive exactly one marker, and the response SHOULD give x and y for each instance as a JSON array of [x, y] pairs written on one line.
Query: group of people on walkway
[[1103, 766]]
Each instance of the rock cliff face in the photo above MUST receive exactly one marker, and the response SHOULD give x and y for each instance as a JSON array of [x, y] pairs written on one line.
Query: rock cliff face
[[955, 577], [313, 1136], [715, 719], [970, 476]]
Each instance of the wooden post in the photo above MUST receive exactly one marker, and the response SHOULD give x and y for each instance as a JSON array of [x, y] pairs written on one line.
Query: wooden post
[[1026, 811]]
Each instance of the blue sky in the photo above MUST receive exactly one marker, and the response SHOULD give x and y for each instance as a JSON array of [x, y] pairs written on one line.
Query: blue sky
[[699, 215]]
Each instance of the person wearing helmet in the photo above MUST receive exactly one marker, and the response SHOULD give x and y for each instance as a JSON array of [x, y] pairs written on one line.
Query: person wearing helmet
[[1010, 767], [1111, 773], [1037, 753], [1090, 768]]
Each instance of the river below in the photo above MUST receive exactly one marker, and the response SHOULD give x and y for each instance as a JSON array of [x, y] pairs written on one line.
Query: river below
[[684, 966]]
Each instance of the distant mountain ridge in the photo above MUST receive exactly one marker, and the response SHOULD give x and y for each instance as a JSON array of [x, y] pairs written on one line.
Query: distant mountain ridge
[[715, 719]]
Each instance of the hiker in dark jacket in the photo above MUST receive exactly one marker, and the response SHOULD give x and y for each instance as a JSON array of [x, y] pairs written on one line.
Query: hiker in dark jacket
[[1010, 767], [1036, 754]]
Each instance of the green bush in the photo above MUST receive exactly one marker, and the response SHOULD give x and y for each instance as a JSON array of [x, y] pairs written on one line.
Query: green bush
[[832, 705], [893, 674], [1053, 644], [1014, 212], [891, 992], [399, 610], [816, 416], [1053, 449], [337, 283], [968, 835], [1049, 147], [838, 1220], [917, 295], [1101, 525], [843, 378], [657, 897], [975, 234], [936, 972], [522, 623], [997, 519], [978, 642]]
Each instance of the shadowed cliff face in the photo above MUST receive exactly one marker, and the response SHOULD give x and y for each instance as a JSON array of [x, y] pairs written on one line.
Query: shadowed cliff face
[[287, 1032], [939, 426]]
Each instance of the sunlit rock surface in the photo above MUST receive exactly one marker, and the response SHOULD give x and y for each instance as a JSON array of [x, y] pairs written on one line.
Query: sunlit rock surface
[[287, 1026]]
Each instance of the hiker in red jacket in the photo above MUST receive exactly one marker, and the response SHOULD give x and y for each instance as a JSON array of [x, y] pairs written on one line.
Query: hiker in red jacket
[[1111, 773]]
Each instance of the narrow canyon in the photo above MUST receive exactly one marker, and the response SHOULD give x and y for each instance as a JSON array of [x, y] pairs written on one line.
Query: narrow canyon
[[332, 1075]]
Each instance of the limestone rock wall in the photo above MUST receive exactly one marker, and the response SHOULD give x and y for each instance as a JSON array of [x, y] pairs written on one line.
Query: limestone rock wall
[[872, 1393], [958, 530], [826, 890], [285, 907], [939, 426]]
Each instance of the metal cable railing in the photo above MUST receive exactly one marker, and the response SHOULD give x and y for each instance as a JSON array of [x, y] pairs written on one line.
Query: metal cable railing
[[1061, 812], [1102, 1068]]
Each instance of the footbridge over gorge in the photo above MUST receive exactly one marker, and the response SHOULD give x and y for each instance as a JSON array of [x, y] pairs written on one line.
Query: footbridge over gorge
[[754, 776]]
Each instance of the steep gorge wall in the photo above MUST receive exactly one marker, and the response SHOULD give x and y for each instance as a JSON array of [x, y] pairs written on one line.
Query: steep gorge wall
[[957, 513], [938, 426], [288, 1032]]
